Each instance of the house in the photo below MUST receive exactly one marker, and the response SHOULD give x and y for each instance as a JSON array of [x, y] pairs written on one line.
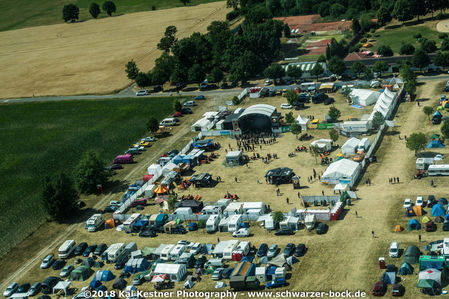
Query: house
[[342, 171], [176, 272]]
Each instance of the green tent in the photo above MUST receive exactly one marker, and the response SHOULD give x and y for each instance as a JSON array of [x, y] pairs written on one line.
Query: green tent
[[411, 255], [81, 273], [406, 269], [147, 251], [427, 283], [434, 136]]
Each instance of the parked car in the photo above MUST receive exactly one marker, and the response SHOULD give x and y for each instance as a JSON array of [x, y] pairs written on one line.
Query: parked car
[[11, 289], [273, 251], [196, 248], [380, 288], [157, 88], [398, 290], [419, 201], [89, 250], [23, 288], [80, 248], [284, 232], [58, 264], [115, 203], [177, 114], [66, 271], [147, 233], [149, 139], [286, 106], [110, 209], [289, 249], [431, 201], [49, 283], [276, 283], [199, 263], [217, 274], [262, 250], [407, 203], [189, 104], [186, 111], [142, 92], [394, 250], [138, 279], [321, 228], [114, 166], [35, 289], [120, 264], [242, 232], [300, 250], [186, 243], [268, 82], [224, 85], [227, 273], [48, 260], [199, 97]]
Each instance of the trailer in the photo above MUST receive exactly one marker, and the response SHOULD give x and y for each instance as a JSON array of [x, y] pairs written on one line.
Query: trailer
[[129, 223], [116, 251], [234, 223], [363, 145], [94, 222], [212, 223], [435, 170], [244, 283], [176, 252], [231, 246], [165, 253]]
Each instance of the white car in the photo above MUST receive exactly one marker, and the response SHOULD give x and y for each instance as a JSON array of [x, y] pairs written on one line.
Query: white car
[[148, 139], [394, 250], [115, 203], [407, 203], [189, 103], [140, 148], [186, 243], [142, 93], [48, 260], [286, 106], [196, 248], [268, 82], [243, 232], [438, 157], [419, 201]]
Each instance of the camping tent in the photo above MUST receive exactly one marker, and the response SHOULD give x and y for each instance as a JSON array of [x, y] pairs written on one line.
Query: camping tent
[[159, 278], [438, 210], [364, 97], [411, 255], [413, 211], [136, 265], [119, 284], [398, 228], [291, 260], [324, 145], [389, 277], [341, 171], [161, 189], [435, 144], [425, 219], [302, 122], [81, 273], [414, 224], [350, 146], [429, 279], [104, 275], [406, 269], [62, 285], [89, 262], [278, 261], [435, 136]]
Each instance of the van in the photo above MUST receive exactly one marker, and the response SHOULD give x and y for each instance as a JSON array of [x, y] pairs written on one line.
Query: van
[[394, 250], [214, 263], [168, 122], [66, 249]]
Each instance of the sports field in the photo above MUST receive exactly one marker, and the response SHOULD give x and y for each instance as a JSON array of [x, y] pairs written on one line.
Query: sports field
[[90, 57]]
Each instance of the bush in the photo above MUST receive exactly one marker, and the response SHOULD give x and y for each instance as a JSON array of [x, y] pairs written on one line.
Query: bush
[[363, 40], [442, 35], [201, 223], [407, 49], [441, 16], [418, 35], [153, 7], [385, 50], [372, 30], [367, 35], [232, 14]]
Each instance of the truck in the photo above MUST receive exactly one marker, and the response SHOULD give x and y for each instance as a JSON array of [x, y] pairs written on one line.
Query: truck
[[212, 223], [94, 222], [244, 283], [309, 221], [363, 145]]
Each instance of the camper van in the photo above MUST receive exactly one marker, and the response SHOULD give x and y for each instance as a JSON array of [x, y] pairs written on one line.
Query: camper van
[[116, 251], [234, 223], [176, 252], [363, 145], [212, 223], [168, 122], [128, 224], [94, 222], [423, 163], [442, 169], [66, 249], [211, 210], [227, 252], [165, 253]]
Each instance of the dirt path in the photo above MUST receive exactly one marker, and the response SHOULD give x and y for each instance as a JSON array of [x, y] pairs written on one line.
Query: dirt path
[[443, 26]]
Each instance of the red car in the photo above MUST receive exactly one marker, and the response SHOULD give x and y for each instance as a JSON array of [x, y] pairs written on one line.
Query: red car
[[398, 290], [380, 288], [177, 114]]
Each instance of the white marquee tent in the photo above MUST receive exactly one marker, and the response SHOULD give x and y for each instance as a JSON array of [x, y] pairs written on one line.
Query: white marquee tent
[[350, 146], [175, 272], [303, 122], [342, 171], [384, 104], [364, 97]]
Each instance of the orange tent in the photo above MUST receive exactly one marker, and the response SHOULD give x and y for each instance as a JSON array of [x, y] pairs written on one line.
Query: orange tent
[[161, 189], [398, 228], [111, 223], [417, 210]]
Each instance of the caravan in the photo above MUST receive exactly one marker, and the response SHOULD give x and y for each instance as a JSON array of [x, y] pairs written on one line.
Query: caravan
[[363, 145], [165, 253], [234, 223], [231, 246], [128, 224], [94, 222], [212, 223], [442, 169], [176, 252], [115, 252], [66, 249]]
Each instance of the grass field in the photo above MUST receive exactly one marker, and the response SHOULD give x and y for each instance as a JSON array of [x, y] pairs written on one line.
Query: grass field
[[24, 13], [42, 139], [90, 57]]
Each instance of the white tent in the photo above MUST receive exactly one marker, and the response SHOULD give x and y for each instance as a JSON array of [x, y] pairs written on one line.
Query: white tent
[[384, 104], [155, 170], [431, 274], [175, 272], [342, 171], [202, 124], [62, 285], [341, 187], [303, 122], [364, 97], [350, 146], [322, 144]]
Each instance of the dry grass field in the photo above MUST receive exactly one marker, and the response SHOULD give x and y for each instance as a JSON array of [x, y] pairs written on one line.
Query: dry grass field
[[90, 57]]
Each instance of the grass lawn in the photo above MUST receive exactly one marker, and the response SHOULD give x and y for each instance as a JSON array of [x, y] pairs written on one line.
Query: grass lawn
[[338, 37], [25, 13], [43, 139], [396, 37]]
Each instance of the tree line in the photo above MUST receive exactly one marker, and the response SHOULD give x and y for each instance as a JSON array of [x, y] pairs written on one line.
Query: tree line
[[70, 12]]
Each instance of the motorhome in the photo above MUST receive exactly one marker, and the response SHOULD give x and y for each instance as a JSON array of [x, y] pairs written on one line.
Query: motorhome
[[128, 224], [94, 222], [176, 252], [231, 246], [212, 223], [234, 223], [423, 163], [66, 249], [116, 251], [165, 253], [442, 169]]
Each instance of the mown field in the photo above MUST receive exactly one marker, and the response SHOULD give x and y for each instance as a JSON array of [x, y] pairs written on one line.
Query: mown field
[[42, 139], [24, 13]]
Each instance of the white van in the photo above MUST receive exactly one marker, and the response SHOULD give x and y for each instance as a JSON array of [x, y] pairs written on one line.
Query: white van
[[394, 250], [168, 122], [66, 249]]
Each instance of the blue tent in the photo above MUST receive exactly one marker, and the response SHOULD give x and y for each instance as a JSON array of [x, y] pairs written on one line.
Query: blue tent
[[94, 283], [437, 114], [104, 275], [447, 217], [438, 210], [141, 223], [206, 143], [414, 224], [406, 269], [136, 265], [435, 144], [442, 201], [410, 212], [389, 277]]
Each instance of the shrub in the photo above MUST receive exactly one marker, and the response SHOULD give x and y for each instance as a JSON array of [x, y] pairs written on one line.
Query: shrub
[[232, 15], [372, 30], [201, 223], [153, 7], [407, 49], [363, 40], [367, 35], [385, 50], [442, 35], [441, 16], [418, 35]]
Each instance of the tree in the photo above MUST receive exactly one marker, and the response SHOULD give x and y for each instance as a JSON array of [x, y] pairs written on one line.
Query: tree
[[336, 10], [406, 73], [232, 4], [131, 70], [441, 59], [429, 46], [291, 96], [177, 105], [143, 80], [60, 199], [445, 129], [337, 65], [402, 10], [152, 125], [196, 74], [90, 172], [109, 7], [358, 68], [321, 58], [380, 66], [295, 128], [169, 39], [184, 2], [416, 142], [294, 71], [216, 75], [428, 111], [317, 70], [346, 91], [420, 59], [94, 10], [333, 135], [355, 26], [315, 152], [334, 114], [383, 15], [286, 31], [407, 49], [410, 88], [378, 119], [445, 45], [385, 50], [70, 12], [274, 71], [289, 118], [171, 202], [277, 216]]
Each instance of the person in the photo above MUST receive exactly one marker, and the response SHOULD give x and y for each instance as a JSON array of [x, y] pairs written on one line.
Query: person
[[299, 195], [218, 240], [431, 183], [397, 179], [394, 180], [257, 180], [419, 237], [356, 215], [235, 178], [322, 192], [278, 191], [287, 200], [372, 233]]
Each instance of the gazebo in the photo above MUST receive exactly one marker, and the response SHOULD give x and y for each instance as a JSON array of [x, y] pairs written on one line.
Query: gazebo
[[62, 285], [161, 189]]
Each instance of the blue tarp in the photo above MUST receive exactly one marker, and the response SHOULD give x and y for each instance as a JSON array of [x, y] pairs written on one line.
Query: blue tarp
[[182, 159], [438, 210], [435, 144], [203, 143], [104, 275], [414, 224]]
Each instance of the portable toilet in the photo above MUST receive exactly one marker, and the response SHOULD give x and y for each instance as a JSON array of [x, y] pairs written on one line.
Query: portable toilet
[[382, 263]]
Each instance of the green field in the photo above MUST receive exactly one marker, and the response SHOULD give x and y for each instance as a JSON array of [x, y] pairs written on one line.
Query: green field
[[41, 139], [27, 13], [396, 37]]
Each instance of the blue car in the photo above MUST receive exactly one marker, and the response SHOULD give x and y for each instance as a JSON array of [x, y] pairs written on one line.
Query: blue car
[[199, 97], [263, 249], [277, 283]]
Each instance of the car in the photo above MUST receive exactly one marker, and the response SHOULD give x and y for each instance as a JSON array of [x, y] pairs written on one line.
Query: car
[[407, 203], [177, 114], [49, 283], [328, 101], [189, 104], [115, 203], [115, 166], [80, 248], [172, 153], [268, 82], [89, 250], [199, 97], [300, 250], [48, 260], [147, 233], [227, 273], [419, 201], [142, 92], [289, 249], [242, 232], [157, 88], [394, 250], [66, 271], [186, 111], [431, 226], [35, 289], [379, 289], [186, 243], [217, 275], [276, 283], [200, 261], [149, 139], [431, 201], [286, 106], [273, 251], [138, 279], [224, 85], [398, 290], [262, 251], [120, 264], [110, 209], [100, 249], [284, 232], [321, 228], [137, 147], [11, 289], [58, 265], [144, 143], [23, 288], [196, 248]]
